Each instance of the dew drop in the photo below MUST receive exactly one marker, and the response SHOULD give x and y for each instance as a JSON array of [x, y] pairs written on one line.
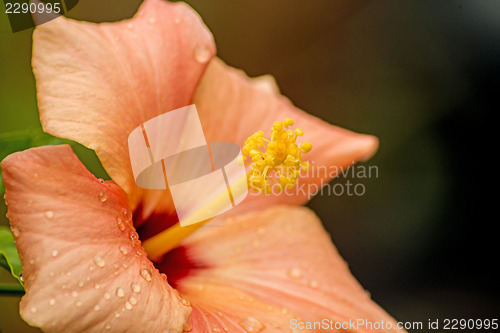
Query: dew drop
[[251, 325], [132, 300], [99, 261], [146, 274], [16, 232], [117, 314], [107, 326], [128, 306], [49, 214], [21, 277], [74, 293], [97, 307], [107, 296], [261, 230], [120, 292], [185, 302], [127, 215], [102, 197], [295, 273], [54, 253], [151, 20], [33, 310], [134, 236], [136, 288], [256, 243], [202, 53], [130, 25], [80, 284], [120, 224], [313, 284], [52, 301], [78, 303]]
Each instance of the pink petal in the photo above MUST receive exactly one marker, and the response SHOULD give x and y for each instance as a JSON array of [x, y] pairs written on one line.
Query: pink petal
[[98, 82], [272, 266], [232, 107], [82, 269]]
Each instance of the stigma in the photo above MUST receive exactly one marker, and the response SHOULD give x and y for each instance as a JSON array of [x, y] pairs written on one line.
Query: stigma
[[276, 163]]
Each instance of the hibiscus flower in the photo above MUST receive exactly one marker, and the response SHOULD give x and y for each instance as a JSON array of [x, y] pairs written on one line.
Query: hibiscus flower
[[267, 264]]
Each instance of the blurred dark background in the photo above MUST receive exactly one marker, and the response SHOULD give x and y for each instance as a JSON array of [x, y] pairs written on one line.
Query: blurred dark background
[[423, 76]]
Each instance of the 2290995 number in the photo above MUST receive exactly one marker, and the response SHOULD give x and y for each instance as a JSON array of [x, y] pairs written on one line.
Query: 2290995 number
[[462, 324], [18, 8]]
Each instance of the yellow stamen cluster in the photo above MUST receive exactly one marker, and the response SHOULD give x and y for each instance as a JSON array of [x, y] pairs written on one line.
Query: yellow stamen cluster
[[279, 158]]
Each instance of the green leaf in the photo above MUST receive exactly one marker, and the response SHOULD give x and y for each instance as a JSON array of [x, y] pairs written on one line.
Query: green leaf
[[9, 259], [10, 142]]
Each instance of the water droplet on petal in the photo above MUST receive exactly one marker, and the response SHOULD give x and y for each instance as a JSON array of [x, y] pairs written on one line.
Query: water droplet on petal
[[120, 223], [251, 325], [107, 326], [54, 253], [80, 284], [202, 53], [128, 306], [117, 314], [120, 292], [127, 215], [99, 261], [146, 274], [295, 273], [102, 197], [78, 303], [49, 214], [313, 284], [261, 230], [185, 302], [132, 300], [136, 288], [134, 236], [16, 232], [107, 296], [151, 20], [123, 250], [52, 301], [33, 310], [21, 277], [130, 25], [97, 307], [74, 293], [177, 20]]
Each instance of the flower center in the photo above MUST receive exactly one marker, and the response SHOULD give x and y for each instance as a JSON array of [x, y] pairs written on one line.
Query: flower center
[[280, 158]]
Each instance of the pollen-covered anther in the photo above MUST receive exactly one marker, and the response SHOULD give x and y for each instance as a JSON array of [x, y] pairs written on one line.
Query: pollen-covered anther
[[275, 163]]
